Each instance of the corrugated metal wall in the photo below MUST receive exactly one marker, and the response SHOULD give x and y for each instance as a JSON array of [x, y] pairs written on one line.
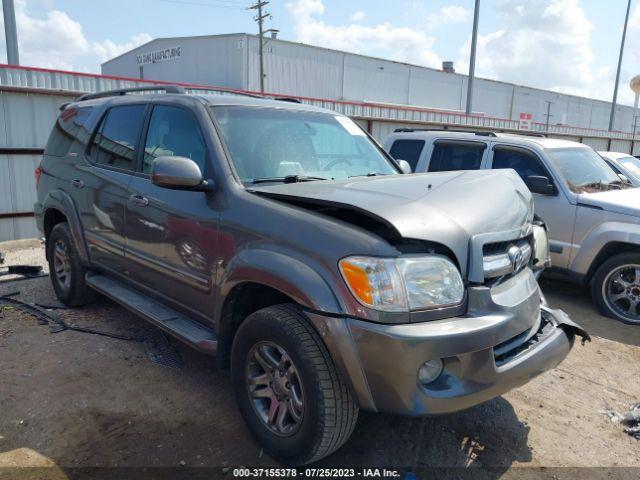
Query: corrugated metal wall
[[30, 100]]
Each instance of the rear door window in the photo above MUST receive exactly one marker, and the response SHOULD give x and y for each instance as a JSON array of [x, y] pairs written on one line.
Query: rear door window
[[525, 163], [408, 150], [71, 125], [114, 144], [450, 156]]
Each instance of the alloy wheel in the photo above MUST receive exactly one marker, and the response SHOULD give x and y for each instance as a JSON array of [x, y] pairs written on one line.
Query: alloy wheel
[[274, 388], [621, 292], [62, 264]]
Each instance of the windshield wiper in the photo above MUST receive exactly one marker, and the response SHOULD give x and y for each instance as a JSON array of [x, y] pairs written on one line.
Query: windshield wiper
[[370, 174], [287, 179]]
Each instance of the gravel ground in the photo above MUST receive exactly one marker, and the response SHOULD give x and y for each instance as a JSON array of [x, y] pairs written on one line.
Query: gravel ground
[[72, 399]]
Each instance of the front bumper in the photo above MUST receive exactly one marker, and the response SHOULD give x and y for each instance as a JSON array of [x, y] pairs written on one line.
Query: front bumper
[[506, 338]]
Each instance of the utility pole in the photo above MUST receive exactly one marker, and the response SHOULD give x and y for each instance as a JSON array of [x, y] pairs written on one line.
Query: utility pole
[[633, 138], [548, 115], [11, 32], [612, 117], [260, 17], [472, 60]]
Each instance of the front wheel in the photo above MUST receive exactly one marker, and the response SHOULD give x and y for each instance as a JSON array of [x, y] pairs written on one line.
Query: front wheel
[[288, 389], [616, 288]]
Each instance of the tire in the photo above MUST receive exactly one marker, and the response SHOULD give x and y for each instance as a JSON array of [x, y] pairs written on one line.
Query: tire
[[329, 413], [65, 269], [616, 288]]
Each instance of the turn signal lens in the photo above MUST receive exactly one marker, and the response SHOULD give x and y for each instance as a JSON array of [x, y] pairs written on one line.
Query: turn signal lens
[[375, 282]]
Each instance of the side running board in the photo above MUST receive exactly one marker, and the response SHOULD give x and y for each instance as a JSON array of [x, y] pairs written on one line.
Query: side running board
[[174, 323]]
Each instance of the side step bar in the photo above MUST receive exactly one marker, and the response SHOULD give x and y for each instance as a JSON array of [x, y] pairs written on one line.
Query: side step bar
[[174, 323]]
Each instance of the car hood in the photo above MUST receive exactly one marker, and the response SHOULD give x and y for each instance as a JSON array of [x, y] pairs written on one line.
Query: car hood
[[625, 202], [447, 208]]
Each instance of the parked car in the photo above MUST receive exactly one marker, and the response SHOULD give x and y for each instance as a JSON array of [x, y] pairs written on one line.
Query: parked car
[[624, 164], [283, 239], [593, 215]]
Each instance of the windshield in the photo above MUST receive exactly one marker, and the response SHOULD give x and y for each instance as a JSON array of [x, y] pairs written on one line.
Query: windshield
[[584, 170], [270, 144]]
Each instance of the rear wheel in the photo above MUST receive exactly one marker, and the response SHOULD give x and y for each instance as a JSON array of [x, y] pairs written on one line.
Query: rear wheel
[[616, 288], [289, 391], [65, 269]]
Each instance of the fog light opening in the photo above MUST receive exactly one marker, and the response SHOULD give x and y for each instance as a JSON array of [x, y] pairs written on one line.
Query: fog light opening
[[430, 371]]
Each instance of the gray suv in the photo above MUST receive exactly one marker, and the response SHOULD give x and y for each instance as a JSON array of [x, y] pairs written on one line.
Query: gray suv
[[281, 238], [592, 213]]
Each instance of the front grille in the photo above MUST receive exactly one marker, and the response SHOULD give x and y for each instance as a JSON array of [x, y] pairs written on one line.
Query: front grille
[[515, 346], [500, 259]]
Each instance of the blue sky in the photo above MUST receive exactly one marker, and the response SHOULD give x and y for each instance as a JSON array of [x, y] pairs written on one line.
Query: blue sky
[[567, 45]]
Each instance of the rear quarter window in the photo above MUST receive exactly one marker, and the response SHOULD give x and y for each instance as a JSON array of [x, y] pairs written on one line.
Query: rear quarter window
[[70, 126]]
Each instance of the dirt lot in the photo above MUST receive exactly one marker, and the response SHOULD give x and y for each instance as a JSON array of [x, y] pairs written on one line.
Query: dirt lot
[[72, 399]]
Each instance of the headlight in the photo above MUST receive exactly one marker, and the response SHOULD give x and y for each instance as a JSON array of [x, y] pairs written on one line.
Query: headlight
[[403, 284], [541, 254]]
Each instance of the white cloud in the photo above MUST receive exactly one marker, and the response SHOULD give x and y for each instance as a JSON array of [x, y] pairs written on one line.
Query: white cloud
[[449, 14], [381, 40], [544, 43], [57, 41], [108, 49], [357, 16]]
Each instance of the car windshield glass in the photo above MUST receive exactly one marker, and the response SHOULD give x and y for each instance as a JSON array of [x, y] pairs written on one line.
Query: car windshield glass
[[271, 144], [631, 163], [584, 170]]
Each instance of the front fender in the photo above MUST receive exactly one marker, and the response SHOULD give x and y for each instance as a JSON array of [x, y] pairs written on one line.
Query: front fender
[[282, 272], [598, 238], [62, 201]]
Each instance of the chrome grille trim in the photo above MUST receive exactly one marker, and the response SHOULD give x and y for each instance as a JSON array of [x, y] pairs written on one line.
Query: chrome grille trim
[[475, 271]]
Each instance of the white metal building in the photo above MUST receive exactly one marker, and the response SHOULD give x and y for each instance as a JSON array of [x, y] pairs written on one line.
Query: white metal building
[[304, 70]]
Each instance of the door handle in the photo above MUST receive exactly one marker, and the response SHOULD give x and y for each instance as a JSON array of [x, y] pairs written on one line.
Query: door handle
[[139, 200], [77, 183]]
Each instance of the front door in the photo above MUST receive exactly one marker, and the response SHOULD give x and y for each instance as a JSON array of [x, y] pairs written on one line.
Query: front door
[[555, 210], [172, 234]]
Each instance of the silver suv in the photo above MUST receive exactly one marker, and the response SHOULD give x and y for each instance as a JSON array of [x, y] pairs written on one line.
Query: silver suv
[[593, 215]]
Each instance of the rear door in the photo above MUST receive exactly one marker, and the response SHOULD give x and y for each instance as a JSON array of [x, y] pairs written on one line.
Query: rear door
[[102, 182], [450, 155], [172, 234], [555, 210]]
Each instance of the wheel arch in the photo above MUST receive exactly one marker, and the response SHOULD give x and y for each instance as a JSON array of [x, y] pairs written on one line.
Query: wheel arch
[[256, 279], [607, 251], [58, 206]]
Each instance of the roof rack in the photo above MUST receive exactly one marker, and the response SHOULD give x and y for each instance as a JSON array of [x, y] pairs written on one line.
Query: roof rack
[[480, 133], [287, 99], [124, 91]]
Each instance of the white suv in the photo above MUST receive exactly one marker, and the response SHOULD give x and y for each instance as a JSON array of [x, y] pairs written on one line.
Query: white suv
[[593, 216]]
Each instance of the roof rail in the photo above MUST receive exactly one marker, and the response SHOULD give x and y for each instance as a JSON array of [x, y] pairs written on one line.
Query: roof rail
[[480, 133], [124, 91]]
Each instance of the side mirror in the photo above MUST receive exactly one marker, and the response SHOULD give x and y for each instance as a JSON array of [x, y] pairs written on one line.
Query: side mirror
[[404, 166], [541, 185], [624, 179], [179, 173]]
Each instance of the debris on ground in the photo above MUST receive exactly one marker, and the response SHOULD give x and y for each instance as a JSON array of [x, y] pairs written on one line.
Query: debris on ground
[[629, 421], [56, 324]]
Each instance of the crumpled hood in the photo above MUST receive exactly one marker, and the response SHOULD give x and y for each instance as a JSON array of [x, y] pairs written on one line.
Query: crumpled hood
[[446, 207], [625, 202]]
